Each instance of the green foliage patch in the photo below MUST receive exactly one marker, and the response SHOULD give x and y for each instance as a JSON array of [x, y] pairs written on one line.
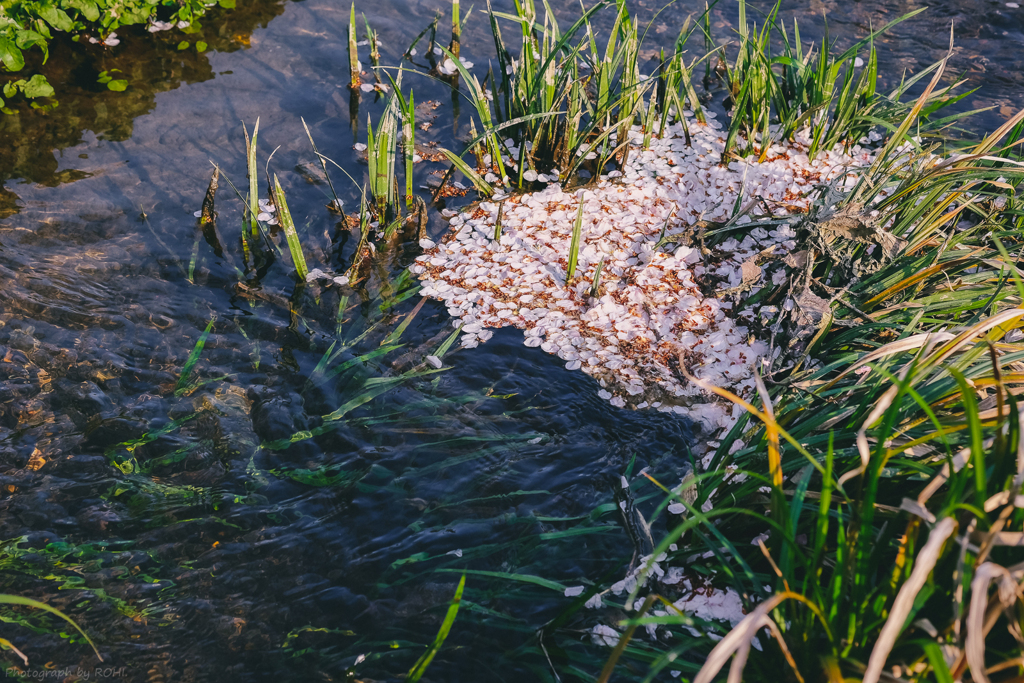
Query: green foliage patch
[[27, 27]]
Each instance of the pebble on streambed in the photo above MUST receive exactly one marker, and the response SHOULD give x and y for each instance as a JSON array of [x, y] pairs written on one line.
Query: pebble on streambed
[[650, 319]]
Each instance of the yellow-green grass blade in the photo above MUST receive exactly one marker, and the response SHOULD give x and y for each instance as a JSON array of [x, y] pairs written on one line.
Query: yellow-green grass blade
[[420, 667], [288, 225]]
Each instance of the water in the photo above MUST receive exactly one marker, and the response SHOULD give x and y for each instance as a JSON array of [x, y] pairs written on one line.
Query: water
[[204, 557]]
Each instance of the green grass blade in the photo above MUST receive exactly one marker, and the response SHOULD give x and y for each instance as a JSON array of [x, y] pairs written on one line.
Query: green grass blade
[[974, 422], [192, 359], [938, 663], [254, 190], [420, 667], [464, 168], [353, 52], [8, 599], [447, 343], [288, 225], [574, 245], [509, 576], [404, 325]]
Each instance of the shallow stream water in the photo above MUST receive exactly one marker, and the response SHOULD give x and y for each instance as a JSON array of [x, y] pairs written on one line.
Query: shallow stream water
[[148, 505]]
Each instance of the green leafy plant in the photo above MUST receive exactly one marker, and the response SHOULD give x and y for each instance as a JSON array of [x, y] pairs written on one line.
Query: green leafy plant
[[30, 26], [892, 465], [382, 154], [35, 88], [834, 95], [112, 83]]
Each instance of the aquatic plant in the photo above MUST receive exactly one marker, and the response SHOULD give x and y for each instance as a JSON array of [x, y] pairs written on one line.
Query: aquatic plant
[[564, 102], [548, 75], [873, 487], [6, 599], [773, 97], [381, 156], [46, 563], [35, 88], [420, 667], [354, 66]]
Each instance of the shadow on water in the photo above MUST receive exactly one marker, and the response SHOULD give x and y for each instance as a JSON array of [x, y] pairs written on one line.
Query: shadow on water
[[152, 497]]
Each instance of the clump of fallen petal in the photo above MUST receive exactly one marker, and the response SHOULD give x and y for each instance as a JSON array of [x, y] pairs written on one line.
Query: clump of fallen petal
[[651, 322]]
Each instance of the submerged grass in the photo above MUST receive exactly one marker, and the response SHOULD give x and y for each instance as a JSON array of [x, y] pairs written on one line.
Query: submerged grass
[[418, 669], [6, 599]]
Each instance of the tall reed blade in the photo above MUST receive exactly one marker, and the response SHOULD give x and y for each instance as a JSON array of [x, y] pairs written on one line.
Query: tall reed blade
[[254, 191], [354, 67], [595, 289], [382, 153], [456, 29], [574, 244], [409, 138], [288, 225]]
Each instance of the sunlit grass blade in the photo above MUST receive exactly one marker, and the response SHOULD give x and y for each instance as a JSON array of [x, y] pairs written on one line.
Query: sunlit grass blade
[[574, 244], [354, 67], [7, 599], [288, 225], [459, 163], [253, 171]]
